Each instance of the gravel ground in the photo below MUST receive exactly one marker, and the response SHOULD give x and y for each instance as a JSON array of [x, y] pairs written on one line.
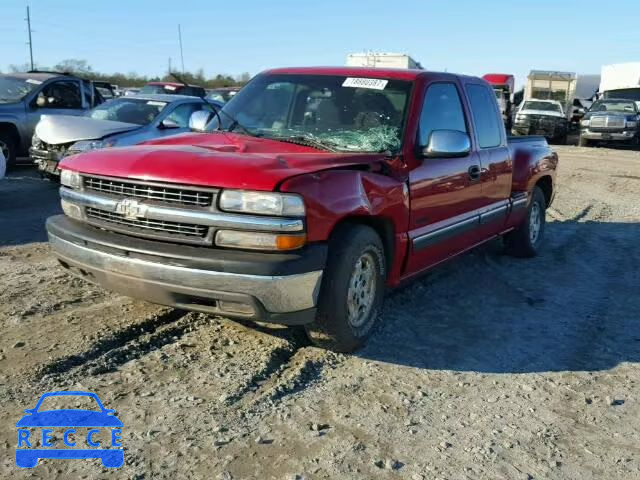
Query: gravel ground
[[488, 367]]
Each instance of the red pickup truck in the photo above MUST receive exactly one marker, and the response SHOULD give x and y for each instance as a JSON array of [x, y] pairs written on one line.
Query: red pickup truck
[[305, 197]]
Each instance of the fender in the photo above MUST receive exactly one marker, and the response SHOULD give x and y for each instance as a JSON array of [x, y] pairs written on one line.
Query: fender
[[334, 196], [529, 166], [12, 122]]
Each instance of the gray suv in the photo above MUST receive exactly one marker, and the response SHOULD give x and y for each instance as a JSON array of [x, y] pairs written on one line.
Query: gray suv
[[24, 97]]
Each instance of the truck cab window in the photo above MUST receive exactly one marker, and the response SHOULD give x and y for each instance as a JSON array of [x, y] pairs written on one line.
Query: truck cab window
[[485, 116], [61, 94], [182, 113], [441, 110]]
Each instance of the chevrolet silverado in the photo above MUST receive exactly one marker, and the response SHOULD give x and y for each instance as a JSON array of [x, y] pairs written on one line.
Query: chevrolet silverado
[[305, 197]]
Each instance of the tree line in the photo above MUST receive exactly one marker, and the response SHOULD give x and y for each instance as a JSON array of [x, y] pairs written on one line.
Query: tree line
[[132, 79]]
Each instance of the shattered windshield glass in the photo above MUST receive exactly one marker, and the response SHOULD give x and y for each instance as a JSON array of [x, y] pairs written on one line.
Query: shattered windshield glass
[[334, 113], [128, 110], [14, 89]]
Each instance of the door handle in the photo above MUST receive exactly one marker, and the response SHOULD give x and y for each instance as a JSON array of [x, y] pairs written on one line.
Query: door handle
[[475, 172]]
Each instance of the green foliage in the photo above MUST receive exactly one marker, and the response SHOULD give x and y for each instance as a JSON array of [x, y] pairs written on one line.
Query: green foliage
[[132, 79]]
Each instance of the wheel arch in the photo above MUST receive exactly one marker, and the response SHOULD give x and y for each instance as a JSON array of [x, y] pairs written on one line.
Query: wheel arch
[[382, 226], [545, 184]]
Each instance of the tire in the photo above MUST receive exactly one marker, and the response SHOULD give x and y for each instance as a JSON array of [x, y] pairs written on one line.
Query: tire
[[524, 241], [8, 146], [562, 139], [340, 325], [583, 142]]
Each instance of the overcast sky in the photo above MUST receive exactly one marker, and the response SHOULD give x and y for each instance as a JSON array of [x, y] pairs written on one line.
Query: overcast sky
[[473, 37]]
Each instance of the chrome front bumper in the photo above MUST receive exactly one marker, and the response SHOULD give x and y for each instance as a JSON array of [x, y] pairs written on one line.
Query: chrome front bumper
[[624, 136], [289, 299]]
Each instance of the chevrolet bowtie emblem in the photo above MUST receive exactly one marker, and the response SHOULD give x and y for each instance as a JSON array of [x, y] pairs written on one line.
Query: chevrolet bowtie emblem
[[131, 209]]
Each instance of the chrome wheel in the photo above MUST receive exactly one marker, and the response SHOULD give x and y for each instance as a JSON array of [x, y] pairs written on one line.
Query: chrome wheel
[[362, 290], [535, 223]]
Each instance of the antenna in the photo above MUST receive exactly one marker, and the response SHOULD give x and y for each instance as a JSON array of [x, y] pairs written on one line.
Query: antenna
[[181, 54], [28, 19]]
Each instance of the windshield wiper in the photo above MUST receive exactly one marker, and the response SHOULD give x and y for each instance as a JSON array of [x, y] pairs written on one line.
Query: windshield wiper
[[307, 141], [235, 124]]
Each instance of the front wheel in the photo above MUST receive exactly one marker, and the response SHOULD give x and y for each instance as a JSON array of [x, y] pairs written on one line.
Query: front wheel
[[8, 147], [526, 240], [352, 290]]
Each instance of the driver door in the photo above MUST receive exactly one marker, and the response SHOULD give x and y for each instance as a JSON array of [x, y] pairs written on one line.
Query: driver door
[[59, 97], [444, 192]]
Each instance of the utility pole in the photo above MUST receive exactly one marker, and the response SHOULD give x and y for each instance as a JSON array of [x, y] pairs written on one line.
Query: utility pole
[[28, 19], [181, 54]]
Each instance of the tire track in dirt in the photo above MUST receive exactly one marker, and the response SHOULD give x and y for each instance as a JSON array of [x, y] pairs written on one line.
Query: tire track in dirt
[[121, 346], [288, 369]]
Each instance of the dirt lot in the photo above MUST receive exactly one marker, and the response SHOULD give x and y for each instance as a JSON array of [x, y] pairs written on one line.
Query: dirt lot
[[489, 367]]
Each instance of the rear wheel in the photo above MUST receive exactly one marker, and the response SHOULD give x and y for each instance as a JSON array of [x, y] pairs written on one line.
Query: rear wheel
[[352, 290], [526, 240]]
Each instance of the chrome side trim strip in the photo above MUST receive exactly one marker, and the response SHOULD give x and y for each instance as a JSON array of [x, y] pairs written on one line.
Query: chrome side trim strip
[[210, 219], [432, 238], [494, 214]]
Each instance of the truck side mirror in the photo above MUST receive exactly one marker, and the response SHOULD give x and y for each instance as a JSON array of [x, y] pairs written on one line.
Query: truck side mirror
[[447, 143], [167, 123], [199, 120]]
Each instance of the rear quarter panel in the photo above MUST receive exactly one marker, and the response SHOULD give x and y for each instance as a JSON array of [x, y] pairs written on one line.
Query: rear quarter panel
[[533, 160]]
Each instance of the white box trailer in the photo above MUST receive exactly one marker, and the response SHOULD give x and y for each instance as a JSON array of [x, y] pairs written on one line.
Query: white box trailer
[[551, 85], [382, 60], [621, 80]]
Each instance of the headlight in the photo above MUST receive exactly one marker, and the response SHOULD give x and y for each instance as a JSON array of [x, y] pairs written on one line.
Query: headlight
[[632, 124], [70, 179], [259, 240], [584, 123], [262, 203], [86, 145], [520, 118], [35, 140]]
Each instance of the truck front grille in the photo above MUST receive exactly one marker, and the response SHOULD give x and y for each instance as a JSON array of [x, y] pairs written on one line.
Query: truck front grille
[[150, 191], [607, 121], [153, 227]]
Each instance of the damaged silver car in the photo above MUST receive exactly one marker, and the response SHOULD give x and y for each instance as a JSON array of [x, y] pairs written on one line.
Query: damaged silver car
[[120, 122]]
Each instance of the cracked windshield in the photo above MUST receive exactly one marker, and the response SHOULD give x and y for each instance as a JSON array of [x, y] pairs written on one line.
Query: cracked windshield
[[333, 113]]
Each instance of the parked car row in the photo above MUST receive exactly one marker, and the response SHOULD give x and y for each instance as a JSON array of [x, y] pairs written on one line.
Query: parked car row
[[48, 115], [123, 121]]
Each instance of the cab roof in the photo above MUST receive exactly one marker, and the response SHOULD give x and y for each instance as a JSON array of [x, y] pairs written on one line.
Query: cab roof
[[385, 73], [162, 97], [41, 76], [172, 84]]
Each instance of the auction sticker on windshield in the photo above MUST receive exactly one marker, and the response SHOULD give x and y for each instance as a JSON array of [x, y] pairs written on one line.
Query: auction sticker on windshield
[[372, 83], [87, 430]]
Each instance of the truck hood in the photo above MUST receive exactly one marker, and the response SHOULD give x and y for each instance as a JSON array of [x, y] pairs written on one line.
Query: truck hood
[[214, 160], [546, 113], [57, 129]]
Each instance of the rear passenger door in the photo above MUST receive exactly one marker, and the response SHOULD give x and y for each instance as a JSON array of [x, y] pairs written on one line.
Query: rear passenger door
[[496, 164], [444, 192]]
